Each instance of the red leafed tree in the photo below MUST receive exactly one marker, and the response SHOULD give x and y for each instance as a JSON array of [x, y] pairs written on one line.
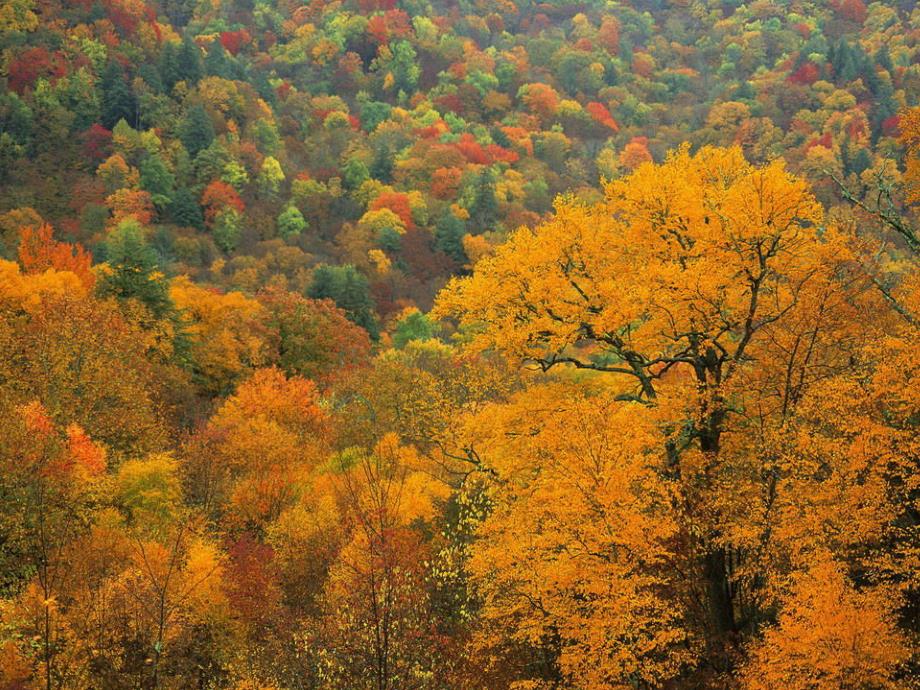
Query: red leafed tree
[[852, 10], [32, 63], [601, 115], [541, 99], [233, 41], [368, 6], [97, 143], [252, 584], [218, 197], [473, 150], [398, 203], [807, 74], [377, 29], [499, 153], [422, 260]]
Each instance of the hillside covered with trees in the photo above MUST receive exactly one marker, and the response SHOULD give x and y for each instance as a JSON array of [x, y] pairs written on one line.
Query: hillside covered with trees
[[452, 345]]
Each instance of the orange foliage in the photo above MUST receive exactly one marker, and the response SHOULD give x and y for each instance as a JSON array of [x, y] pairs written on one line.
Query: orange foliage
[[38, 252], [398, 203], [218, 197]]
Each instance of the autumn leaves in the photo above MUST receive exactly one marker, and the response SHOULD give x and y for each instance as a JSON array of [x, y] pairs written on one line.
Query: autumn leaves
[[671, 443], [722, 463]]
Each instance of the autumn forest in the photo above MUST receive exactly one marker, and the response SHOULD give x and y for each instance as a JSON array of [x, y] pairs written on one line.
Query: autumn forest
[[459, 345]]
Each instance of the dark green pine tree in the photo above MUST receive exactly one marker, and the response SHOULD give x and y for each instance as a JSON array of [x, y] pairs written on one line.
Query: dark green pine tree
[[179, 11], [117, 98], [216, 62], [845, 161], [884, 107], [883, 59], [196, 131], [484, 211], [382, 164], [349, 289], [184, 210], [861, 162], [448, 237], [189, 56], [134, 270], [168, 66]]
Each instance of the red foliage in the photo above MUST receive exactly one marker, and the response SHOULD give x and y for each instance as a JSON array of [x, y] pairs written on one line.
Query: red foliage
[[540, 23], [252, 586], [856, 130], [807, 74], [457, 70], [635, 153], [394, 23], [233, 41], [283, 90], [472, 150], [495, 23], [154, 24], [502, 155], [417, 250], [399, 23], [891, 126], [97, 143], [601, 115], [541, 99], [316, 338], [377, 29], [31, 64], [219, 196], [84, 454], [368, 6], [803, 29], [449, 101], [126, 15], [398, 203], [852, 10], [825, 140]]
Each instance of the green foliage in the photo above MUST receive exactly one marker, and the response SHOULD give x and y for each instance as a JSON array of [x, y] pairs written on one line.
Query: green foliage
[[413, 326], [134, 270], [227, 229], [149, 490], [349, 289], [185, 210], [117, 98], [484, 207], [448, 237], [270, 177], [189, 59], [290, 223], [196, 131], [157, 179]]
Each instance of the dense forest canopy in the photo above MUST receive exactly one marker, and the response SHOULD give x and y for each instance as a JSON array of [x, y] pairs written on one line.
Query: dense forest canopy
[[451, 344]]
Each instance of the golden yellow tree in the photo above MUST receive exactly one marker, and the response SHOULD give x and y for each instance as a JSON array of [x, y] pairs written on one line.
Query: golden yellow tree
[[829, 636], [705, 289], [575, 562]]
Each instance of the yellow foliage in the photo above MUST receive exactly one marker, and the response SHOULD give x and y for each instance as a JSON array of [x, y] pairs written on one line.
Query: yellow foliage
[[226, 330], [578, 542], [28, 290], [830, 635]]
